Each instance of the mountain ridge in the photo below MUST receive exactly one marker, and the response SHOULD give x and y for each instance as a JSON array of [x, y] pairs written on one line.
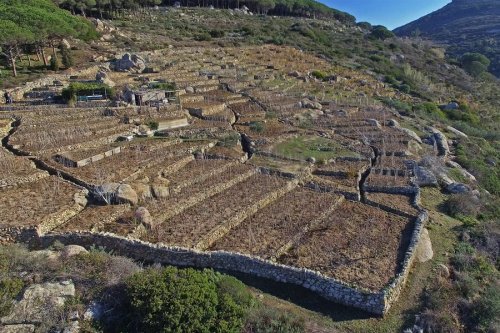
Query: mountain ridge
[[463, 26]]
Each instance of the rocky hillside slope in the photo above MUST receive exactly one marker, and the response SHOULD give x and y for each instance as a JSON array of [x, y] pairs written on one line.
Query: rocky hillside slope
[[465, 26]]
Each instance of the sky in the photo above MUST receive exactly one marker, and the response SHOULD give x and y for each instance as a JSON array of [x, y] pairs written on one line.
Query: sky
[[391, 13]]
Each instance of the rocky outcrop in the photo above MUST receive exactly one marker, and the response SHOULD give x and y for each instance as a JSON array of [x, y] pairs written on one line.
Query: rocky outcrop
[[441, 142], [129, 63], [114, 193], [457, 188], [38, 301], [424, 250]]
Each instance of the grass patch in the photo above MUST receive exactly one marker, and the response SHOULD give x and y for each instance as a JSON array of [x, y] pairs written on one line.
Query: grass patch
[[304, 147]]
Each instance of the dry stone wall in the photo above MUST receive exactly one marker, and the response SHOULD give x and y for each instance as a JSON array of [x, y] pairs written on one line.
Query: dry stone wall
[[329, 288]]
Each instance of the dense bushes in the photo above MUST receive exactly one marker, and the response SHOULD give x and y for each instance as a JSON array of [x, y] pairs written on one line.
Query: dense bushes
[[475, 63], [173, 300], [76, 89]]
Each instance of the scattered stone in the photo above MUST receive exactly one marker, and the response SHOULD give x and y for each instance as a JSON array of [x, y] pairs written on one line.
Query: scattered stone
[[443, 271], [126, 194], [393, 123], [295, 74], [374, 122], [80, 199], [144, 217], [424, 249], [457, 188], [456, 132], [425, 177], [95, 311], [308, 104], [72, 250], [311, 160], [451, 106], [441, 142], [491, 161]]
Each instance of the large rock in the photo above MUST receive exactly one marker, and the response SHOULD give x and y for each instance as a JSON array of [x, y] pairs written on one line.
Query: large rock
[[308, 104], [39, 301], [411, 134], [425, 177], [72, 250], [129, 63], [457, 188], [126, 194], [424, 248], [114, 193], [441, 142], [143, 216]]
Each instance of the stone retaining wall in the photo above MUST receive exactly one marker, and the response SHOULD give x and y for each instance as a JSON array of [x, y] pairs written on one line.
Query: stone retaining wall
[[329, 288]]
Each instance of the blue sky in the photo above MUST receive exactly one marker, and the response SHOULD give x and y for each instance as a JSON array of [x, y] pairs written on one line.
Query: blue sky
[[391, 13]]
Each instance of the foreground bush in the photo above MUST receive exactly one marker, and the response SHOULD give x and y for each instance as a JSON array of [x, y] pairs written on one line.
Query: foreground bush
[[186, 300]]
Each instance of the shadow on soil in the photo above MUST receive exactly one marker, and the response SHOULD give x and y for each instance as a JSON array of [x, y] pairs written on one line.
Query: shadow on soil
[[303, 298]]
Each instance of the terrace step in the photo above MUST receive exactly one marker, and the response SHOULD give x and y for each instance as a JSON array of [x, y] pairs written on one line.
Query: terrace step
[[311, 226], [203, 177], [223, 229], [214, 190]]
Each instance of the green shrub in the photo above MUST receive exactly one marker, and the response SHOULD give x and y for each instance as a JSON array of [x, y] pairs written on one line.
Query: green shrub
[[257, 126], [153, 125], [204, 36], [76, 89], [216, 33], [381, 32], [405, 88], [54, 64], [66, 56], [185, 300], [319, 75], [9, 289]]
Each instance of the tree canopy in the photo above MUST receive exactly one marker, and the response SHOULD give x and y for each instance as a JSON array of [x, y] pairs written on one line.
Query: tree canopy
[[36, 22]]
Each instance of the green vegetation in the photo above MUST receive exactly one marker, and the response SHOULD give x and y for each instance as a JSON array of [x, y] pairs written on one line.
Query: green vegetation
[[304, 147], [36, 23], [173, 300], [76, 89], [475, 63], [381, 32], [168, 86]]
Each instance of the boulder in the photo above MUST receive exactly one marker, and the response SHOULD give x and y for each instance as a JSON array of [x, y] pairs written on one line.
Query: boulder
[[311, 160], [126, 194], [39, 301], [72, 250], [95, 311], [129, 62], [462, 171], [393, 123], [425, 177], [451, 106], [143, 216], [143, 190], [189, 90], [441, 142], [373, 122], [457, 188], [66, 43], [308, 104], [80, 198], [443, 271], [160, 191], [411, 134], [106, 193], [295, 74], [456, 132], [424, 248]]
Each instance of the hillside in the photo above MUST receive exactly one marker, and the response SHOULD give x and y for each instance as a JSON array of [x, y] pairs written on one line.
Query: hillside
[[464, 26], [340, 172]]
